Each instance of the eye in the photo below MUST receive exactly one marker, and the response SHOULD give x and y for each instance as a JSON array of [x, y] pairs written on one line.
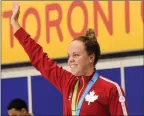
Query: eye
[[75, 55]]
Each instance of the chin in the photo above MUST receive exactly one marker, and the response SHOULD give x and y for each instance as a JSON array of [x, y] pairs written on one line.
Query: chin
[[75, 73]]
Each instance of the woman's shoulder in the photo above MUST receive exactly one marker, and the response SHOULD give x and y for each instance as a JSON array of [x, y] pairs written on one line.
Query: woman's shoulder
[[108, 83]]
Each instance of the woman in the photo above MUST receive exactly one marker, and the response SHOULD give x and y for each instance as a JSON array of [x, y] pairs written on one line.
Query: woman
[[85, 92]]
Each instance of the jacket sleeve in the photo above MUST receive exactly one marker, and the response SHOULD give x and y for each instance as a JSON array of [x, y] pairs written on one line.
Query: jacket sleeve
[[117, 102], [48, 68]]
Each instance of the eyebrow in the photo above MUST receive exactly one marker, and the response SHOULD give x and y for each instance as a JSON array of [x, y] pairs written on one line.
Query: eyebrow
[[75, 52]]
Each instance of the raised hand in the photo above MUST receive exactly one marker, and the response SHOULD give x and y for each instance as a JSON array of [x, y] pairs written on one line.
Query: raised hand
[[15, 16]]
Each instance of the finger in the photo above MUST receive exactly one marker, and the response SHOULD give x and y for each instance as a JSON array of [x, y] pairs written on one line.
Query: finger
[[16, 6]]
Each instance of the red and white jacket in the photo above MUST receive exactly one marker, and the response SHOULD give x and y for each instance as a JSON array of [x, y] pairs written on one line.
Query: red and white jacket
[[110, 98]]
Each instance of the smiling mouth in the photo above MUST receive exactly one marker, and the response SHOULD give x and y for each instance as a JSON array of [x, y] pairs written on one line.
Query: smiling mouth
[[72, 66]]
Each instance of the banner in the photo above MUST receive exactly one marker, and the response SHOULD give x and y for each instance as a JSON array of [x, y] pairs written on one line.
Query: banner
[[53, 24]]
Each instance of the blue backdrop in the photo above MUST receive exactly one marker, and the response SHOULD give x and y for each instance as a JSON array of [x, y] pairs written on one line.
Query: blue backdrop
[[46, 100]]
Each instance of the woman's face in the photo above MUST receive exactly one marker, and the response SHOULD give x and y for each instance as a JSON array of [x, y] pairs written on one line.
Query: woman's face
[[78, 61]]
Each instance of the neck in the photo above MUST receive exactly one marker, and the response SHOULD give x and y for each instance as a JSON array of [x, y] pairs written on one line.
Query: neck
[[89, 71]]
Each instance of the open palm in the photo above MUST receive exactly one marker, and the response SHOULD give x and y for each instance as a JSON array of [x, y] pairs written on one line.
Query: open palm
[[14, 17], [16, 11]]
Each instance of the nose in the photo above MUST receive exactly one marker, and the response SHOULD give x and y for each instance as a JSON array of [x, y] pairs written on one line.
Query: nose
[[70, 59]]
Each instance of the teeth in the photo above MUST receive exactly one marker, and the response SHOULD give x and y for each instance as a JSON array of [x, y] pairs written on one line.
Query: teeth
[[72, 66]]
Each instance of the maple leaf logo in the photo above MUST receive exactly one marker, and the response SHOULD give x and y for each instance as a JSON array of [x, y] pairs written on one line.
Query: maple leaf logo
[[91, 97]]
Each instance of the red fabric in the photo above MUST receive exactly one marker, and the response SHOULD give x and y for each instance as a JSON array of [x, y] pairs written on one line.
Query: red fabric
[[107, 92]]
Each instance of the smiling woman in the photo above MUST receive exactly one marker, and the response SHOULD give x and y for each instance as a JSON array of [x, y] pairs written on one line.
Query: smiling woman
[[84, 53], [85, 92]]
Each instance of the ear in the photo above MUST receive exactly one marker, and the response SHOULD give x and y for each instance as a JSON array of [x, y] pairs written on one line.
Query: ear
[[91, 58]]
